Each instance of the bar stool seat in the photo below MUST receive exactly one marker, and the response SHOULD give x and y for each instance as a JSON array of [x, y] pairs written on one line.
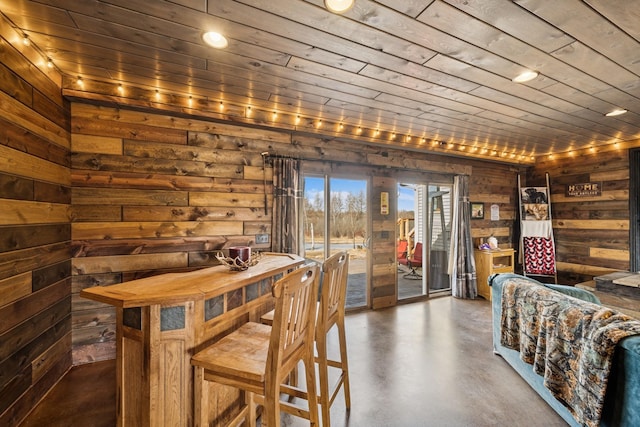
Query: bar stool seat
[[257, 358], [330, 313]]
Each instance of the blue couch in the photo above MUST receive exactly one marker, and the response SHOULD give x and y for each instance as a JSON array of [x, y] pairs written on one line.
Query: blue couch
[[622, 399]]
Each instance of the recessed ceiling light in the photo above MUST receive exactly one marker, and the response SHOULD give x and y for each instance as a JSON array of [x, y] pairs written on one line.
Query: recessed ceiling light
[[616, 112], [338, 6], [525, 76], [214, 39]]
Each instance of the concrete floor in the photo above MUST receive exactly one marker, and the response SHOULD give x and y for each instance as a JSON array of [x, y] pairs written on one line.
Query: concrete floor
[[431, 364], [422, 364]]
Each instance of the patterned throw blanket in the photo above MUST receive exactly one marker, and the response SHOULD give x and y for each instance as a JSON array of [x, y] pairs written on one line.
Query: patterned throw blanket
[[568, 341]]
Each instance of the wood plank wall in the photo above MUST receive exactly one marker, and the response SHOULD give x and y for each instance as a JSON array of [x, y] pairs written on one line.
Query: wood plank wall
[[492, 184], [35, 232], [157, 192], [591, 233]]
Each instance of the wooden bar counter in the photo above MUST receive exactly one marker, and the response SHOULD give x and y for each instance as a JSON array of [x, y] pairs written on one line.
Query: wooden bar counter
[[163, 320]]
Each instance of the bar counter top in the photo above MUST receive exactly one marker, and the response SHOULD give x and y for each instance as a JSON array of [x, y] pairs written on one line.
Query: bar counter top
[[171, 288]]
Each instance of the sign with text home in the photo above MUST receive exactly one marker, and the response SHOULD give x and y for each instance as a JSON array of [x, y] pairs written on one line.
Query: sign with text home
[[586, 189]]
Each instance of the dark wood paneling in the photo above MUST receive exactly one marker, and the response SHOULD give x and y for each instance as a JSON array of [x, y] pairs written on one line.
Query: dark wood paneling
[[101, 126], [13, 314], [495, 184], [35, 235], [19, 384], [14, 86], [45, 192], [20, 408], [51, 274], [109, 162], [28, 331], [591, 233], [22, 360], [27, 236], [93, 248], [21, 139], [58, 112], [13, 187], [17, 262]]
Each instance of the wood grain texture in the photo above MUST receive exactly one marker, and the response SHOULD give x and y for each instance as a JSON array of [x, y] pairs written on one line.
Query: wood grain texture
[[19, 138], [22, 212], [35, 230], [591, 233], [110, 264], [22, 164], [96, 144]]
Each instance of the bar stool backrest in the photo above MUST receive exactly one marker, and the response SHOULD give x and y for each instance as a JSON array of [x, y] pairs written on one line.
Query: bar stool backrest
[[293, 321], [334, 291]]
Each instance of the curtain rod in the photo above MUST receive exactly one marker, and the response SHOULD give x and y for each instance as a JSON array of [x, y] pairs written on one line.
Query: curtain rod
[[266, 154]]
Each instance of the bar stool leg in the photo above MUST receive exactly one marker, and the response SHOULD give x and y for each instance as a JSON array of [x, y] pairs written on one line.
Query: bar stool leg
[[312, 398], [323, 373], [250, 401], [201, 404], [342, 337]]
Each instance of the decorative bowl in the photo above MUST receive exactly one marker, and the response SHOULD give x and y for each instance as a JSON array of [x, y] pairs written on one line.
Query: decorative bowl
[[236, 264]]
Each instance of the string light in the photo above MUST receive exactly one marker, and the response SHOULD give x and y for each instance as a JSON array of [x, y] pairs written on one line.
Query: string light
[[49, 63], [360, 130], [79, 81], [25, 40]]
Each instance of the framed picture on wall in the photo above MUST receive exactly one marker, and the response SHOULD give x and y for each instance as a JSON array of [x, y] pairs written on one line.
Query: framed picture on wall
[[477, 210]]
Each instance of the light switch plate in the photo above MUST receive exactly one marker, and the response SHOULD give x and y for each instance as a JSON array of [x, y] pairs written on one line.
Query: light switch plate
[[262, 238]]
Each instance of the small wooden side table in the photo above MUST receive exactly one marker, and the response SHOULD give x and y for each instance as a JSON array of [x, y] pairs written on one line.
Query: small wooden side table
[[490, 262]]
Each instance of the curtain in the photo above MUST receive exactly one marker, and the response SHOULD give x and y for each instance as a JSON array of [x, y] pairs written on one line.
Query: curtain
[[287, 194], [462, 267]]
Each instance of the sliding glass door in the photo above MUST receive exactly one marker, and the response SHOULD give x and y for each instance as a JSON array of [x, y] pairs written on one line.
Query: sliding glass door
[[335, 219], [424, 236]]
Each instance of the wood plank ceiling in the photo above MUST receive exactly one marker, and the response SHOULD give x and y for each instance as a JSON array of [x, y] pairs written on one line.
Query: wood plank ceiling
[[417, 73]]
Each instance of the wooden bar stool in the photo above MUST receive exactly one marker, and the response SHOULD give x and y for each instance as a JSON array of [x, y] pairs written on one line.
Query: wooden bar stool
[[331, 309], [331, 313], [257, 358]]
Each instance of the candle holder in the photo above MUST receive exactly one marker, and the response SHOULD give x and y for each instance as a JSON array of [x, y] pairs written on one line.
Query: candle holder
[[236, 264]]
